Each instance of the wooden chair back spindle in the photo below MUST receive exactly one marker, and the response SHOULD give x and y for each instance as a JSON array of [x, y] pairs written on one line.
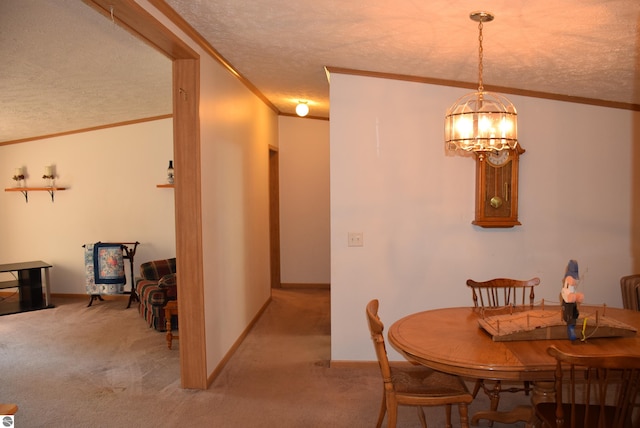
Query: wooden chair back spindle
[[501, 292]]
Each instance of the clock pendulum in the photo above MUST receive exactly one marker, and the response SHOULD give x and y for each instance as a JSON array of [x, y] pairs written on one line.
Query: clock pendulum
[[496, 201]]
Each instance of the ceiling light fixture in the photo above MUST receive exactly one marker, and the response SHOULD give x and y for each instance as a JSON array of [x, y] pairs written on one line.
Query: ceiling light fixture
[[481, 121], [302, 109]]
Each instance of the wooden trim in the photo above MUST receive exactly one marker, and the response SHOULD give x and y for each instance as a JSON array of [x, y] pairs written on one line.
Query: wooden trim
[[214, 374], [294, 285], [274, 217], [635, 201], [206, 46], [305, 117], [93, 128], [135, 19], [188, 205], [492, 88]]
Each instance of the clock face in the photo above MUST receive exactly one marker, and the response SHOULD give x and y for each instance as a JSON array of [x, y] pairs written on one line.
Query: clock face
[[498, 158]]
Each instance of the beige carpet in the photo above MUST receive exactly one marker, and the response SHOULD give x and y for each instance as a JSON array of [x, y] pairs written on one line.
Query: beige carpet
[[73, 366]]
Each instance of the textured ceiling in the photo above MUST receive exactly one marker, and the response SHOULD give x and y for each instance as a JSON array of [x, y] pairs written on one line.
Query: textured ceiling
[[65, 67], [71, 68], [585, 48]]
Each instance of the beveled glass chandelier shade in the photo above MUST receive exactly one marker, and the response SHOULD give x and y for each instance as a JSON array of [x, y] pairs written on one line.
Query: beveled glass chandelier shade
[[481, 121]]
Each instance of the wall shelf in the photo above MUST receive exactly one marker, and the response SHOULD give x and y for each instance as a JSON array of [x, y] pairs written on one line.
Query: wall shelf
[[25, 190], [165, 186]]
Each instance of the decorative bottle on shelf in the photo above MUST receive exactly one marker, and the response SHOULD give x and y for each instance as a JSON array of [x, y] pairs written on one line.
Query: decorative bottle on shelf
[[170, 173]]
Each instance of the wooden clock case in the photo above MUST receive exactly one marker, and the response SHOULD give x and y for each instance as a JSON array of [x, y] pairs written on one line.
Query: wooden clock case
[[497, 188]]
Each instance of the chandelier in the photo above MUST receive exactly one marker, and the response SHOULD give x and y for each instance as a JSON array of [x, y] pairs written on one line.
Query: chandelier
[[481, 121]]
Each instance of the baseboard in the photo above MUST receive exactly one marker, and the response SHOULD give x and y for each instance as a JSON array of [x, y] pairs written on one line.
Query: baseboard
[[87, 296], [345, 364], [6, 293], [214, 374], [295, 285]]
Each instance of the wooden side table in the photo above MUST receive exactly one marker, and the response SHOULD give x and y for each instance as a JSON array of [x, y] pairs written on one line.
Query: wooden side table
[[170, 309], [8, 409]]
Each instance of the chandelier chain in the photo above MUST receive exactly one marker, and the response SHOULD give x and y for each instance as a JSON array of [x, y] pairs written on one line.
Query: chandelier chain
[[480, 68]]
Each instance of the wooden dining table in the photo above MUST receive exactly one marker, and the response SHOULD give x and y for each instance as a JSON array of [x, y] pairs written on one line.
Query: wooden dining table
[[451, 340]]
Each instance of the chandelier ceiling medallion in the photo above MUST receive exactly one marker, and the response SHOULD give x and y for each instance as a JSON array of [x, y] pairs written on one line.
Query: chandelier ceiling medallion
[[481, 121]]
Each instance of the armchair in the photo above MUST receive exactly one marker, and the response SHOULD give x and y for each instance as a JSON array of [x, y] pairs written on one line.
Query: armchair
[[155, 287]]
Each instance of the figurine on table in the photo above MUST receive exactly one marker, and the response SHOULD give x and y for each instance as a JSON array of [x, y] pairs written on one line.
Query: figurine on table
[[571, 298]]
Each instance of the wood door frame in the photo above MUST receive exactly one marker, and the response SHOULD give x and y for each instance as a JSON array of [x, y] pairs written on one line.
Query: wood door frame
[[274, 217], [189, 252]]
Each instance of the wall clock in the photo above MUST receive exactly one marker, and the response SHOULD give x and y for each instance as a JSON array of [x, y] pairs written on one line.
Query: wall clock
[[497, 188]]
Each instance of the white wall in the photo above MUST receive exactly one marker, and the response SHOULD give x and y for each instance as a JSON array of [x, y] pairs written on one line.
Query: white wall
[[304, 201], [236, 130], [111, 176], [391, 180]]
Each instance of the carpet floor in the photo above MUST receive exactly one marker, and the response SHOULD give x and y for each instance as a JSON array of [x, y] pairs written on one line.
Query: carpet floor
[[101, 366]]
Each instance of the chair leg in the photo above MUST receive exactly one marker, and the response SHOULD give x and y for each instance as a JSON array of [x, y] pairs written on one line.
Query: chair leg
[[423, 421], [392, 412], [477, 387], [383, 409], [463, 410], [447, 409]]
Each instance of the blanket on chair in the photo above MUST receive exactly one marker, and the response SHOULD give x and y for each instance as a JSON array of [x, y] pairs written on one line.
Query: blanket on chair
[[104, 268]]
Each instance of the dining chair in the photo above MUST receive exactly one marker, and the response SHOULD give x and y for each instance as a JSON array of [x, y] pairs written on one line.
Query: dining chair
[[601, 391], [414, 385], [630, 288], [501, 293]]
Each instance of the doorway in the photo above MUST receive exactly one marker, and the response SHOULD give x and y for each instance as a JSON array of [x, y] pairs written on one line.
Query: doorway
[[186, 89], [274, 217]]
